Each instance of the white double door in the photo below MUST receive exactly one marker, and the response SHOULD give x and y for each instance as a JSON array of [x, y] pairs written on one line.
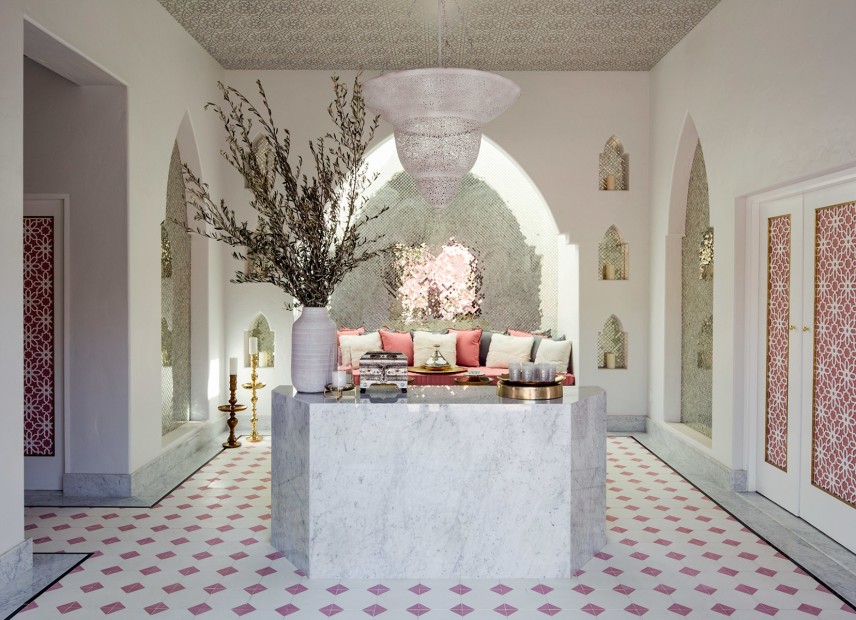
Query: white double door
[[806, 439]]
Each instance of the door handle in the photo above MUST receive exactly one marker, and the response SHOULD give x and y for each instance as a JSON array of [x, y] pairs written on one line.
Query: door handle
[[806, 328], [791, 328]]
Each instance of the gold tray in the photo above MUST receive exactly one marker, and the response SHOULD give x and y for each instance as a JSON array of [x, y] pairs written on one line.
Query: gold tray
[[422, 370], [529, 392]]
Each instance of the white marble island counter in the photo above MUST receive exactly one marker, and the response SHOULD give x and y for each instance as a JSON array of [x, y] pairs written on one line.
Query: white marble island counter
[[441, 482]]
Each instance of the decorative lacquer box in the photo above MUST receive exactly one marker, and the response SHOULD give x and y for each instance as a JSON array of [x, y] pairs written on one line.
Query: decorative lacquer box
[[383, 367]]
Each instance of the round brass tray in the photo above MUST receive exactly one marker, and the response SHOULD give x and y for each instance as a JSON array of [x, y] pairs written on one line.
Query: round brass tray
[[529, 392], [422, 370]]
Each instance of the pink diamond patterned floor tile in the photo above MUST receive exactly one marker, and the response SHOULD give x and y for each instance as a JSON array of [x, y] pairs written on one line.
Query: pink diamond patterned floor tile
[[204, 551]]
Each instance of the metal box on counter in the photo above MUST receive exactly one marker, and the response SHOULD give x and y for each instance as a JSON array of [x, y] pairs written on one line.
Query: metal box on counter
[[383, 368]]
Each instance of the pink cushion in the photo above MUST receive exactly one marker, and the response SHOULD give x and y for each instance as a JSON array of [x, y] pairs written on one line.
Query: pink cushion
[[398, 341], [467, 346], [514, 332]]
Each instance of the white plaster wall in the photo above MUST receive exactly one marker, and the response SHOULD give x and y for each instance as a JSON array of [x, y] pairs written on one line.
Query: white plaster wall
[[555, 132], [168, 74], [74, 143], [11, 282], [769, 87]]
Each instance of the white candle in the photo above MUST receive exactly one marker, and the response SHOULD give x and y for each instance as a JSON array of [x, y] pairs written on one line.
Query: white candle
[[609, 360], [233, 365], [609, 272], [610, 182], [339, 378], [254, 346]]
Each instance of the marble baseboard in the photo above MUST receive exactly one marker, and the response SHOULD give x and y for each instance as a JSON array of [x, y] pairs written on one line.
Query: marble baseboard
[[16, 561], [688, 459], [626, 423], [162, 474], [146, 485], [97, 485], [46, 569]]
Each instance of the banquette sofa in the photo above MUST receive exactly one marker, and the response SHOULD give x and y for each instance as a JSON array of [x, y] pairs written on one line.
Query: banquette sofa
[[475, 348]]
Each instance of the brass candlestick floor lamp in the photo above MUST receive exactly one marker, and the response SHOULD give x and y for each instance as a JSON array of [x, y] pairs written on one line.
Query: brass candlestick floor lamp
[[232, 408], [254, 384]]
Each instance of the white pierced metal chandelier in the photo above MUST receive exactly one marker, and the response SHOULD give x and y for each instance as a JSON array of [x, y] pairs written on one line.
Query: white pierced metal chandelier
[[438, 114]]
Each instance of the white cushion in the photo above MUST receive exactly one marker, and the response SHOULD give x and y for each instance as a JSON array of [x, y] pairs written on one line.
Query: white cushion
[[423, 347], [504, 349], [555, 351], [358, 345]]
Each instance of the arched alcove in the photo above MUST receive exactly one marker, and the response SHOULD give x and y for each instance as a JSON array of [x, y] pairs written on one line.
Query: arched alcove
[[613, 162], [499, 222], [612, 341], [697, 303], [612, 259], [260, 328], [175, 303]]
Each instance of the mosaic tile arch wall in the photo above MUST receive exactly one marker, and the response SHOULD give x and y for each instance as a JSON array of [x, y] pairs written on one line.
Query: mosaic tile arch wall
[[697, 304], [175, 303], [469, 264]]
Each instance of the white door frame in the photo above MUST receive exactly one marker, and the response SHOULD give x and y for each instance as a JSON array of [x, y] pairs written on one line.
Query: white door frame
[[751, 312], [63, 379]]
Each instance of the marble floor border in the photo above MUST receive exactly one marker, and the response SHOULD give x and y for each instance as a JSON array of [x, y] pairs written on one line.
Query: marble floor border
[[828, 562], [48, 568], [55, 499]]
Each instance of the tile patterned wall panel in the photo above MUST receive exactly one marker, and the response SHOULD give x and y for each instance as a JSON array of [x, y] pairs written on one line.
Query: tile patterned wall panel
[[39, 413], [175, 303], [613, 161], [510, 270], [696, 306], [612, 340], [493, 35], [834, 397], [778, 340], [612, 250]]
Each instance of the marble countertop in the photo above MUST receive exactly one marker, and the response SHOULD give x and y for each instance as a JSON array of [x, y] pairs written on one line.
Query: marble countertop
[[438, 395]]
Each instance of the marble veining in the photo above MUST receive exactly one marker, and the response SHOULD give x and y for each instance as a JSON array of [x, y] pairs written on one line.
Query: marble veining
[[445, 482], [16, 561], [46, 568]]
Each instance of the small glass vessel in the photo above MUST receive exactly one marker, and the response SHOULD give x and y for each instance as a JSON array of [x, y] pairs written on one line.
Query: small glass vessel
[[437, 361]]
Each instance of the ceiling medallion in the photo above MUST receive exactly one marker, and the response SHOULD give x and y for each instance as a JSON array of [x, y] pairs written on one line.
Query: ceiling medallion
[[437, 115]]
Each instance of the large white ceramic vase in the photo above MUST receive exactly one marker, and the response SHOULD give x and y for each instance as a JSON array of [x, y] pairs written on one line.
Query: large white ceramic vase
[[313, 350]]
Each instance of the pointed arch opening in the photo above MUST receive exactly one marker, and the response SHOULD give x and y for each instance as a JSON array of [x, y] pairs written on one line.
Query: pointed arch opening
[[612, 345], [260, 329], [175, 302], [612, 261], [614, 166], [697, 255]]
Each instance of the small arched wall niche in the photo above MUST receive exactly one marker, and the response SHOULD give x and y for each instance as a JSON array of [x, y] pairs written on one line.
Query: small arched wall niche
[[612, 260], [260, 329], [697, 304], [612, 345], [614, 168], [175, 303]]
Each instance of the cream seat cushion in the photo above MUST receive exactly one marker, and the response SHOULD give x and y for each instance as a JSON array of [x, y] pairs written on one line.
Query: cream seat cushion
[[423, 347], [505, 349], [554, 351], [358, 345]]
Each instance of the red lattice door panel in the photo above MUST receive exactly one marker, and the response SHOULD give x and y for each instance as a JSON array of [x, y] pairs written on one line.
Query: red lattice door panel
[[39, 369], [833, 415], [778, 340]]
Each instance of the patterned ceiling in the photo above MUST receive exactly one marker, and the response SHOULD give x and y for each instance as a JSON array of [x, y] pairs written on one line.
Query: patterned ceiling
[[493, 35]]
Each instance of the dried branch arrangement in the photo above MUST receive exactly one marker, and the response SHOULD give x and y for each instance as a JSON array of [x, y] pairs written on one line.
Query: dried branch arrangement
[[308, 232]]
